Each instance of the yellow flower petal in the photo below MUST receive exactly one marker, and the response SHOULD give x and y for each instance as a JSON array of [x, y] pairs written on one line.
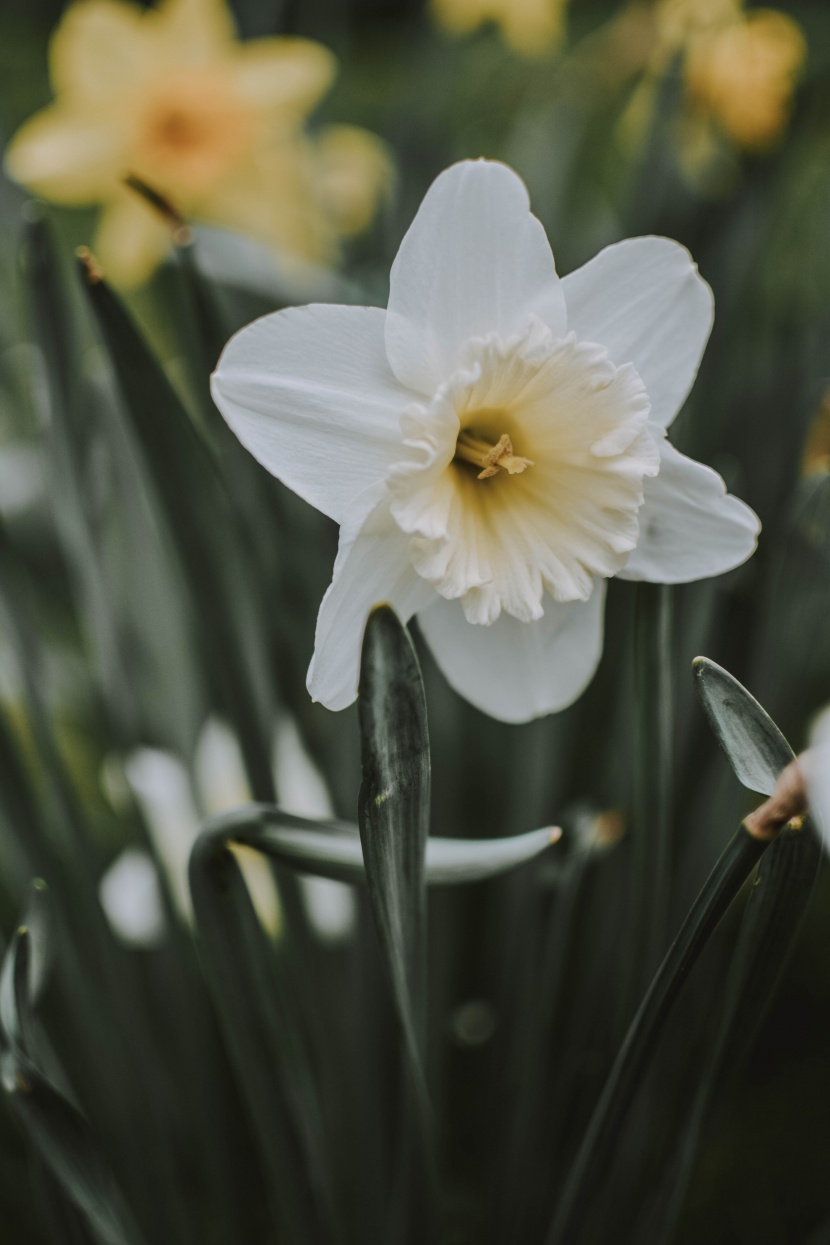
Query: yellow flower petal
[[530, 27], [745, 76], [101, 49], [283, 74], [131, 240], [272, 198], [194, 32], [67, 155], [355, 172]]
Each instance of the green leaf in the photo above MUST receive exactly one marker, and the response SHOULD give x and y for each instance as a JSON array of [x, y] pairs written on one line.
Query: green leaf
[[66, 1224], [66, 1144], [394, 810], [120, 565], [754, 746], [24, 969], [393, 813], [651, 872], [266, 1046], [14, 990], [202, 519], [334, 850], [722, 886], [775, 912]]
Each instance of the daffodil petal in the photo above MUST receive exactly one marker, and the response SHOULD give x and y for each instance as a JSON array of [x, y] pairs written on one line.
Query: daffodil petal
[[67, 155], [644, 300], [517, 671], [193, 32], [372, 568], [101, 48], [690, 527], [283, 75], [131, 241], [270, 197], [475, 261], [309, 393]]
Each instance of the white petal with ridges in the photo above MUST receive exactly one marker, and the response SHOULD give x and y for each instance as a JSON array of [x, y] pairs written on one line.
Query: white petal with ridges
[[644, 300], [517, 671], [372, 568], [690, 527], [310, 394], [475, 261]]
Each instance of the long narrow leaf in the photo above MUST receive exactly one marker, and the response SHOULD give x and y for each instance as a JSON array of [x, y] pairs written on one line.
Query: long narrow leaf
[[394, 810], [723, 884], [201, 517], [65, 1142], [265, 1045]]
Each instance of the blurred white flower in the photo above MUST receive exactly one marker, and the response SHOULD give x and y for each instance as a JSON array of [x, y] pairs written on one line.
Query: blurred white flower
[[160, 784], [175, 807], [302, 790], [493, 445], [131, 898]]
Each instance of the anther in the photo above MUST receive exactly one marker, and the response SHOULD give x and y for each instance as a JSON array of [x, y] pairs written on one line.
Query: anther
[[490, 458]]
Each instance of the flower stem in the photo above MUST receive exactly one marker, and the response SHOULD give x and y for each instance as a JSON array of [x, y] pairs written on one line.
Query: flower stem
[[723, 884], [654, 779]]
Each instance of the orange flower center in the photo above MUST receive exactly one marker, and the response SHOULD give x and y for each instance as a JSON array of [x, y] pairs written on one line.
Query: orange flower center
[[190, 133]]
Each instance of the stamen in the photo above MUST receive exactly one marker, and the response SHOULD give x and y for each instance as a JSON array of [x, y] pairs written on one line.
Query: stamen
[[490, 458]]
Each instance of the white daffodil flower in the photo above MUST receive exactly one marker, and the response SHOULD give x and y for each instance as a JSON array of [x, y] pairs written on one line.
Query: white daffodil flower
[[492, 445]]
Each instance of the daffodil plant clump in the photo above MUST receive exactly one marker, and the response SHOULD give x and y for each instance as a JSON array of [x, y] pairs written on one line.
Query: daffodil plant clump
[[380, 861]]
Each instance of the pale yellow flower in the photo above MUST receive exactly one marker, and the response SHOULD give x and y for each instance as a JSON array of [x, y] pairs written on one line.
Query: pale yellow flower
[[739, 68], [355, 172], [744, 76], [529, 27], [171, 96]]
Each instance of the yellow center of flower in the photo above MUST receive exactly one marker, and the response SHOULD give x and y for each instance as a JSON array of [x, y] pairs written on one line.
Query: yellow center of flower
[[472, 449], [582, 421], [190, 132]]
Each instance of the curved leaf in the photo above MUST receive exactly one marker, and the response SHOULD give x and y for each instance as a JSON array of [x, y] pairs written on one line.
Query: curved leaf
[[334, 850], [754, 746]]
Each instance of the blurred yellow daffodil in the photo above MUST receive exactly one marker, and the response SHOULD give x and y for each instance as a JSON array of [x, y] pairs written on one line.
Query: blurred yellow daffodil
[[739, 68], [170, 96], [529, 27], [743, 76]]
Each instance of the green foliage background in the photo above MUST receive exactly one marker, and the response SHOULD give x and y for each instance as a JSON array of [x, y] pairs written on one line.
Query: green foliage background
[[146, 580]]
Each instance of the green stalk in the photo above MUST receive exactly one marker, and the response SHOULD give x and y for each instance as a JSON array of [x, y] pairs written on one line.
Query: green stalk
[[652, 823], [722, 886]]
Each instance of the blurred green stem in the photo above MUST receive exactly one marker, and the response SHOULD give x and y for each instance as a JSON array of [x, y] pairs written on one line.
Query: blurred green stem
[[653, 782], [721, 888]]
